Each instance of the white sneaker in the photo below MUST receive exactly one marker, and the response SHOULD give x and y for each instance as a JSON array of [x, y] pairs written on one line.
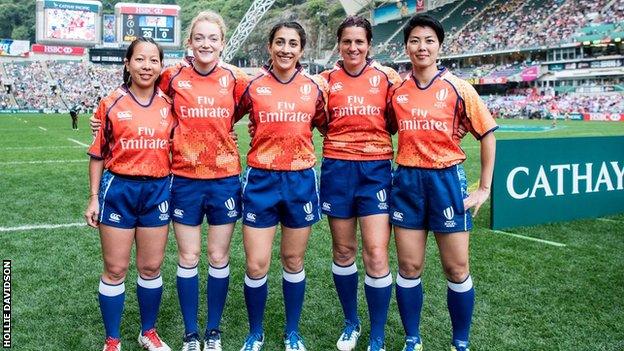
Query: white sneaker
[[294, 342], [254, 342], [152, 342], [349, 337], [376, 344], [191, 343], [112, 344], [213, 341]]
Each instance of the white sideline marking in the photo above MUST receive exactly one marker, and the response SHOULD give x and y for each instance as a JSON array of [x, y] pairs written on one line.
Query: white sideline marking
[[41, 226], [40, 147], [40, 162], [45, 130], [77, 142], [530, 238]]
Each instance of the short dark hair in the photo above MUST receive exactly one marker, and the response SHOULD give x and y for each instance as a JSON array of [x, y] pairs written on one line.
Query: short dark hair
[[292, 25], [423, 21], [130, 52], [355, 21]]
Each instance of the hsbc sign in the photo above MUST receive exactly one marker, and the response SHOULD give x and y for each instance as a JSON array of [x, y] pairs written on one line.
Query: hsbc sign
[[58, 50]]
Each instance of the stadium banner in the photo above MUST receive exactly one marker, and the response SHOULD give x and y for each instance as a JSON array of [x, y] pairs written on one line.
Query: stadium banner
[[107, 55], [604, 117], [108, 29], [58, 50], [560, 179], [10, 47], [530, 74], [493, 80]]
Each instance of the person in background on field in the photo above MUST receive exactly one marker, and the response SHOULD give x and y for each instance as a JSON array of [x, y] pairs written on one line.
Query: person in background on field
[[356, 177], [73, 113], [129, 191], [431, 110], [280, 183]]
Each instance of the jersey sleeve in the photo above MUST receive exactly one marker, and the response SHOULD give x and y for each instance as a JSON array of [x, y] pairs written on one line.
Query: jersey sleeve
[[393, 77], [392, 125], [242, 81], [320, 117], [165, 80], [478, 121], [96, 150]]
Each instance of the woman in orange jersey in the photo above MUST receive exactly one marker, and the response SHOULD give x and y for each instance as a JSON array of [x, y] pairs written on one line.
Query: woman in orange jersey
[[431, 110], [279, 185], [356, 177], [130, 189], [206, 169]]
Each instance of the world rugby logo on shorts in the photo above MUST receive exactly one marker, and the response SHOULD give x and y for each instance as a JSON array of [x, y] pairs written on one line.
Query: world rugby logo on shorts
[[305, 91], [441, 96], [164, 211], [230, 204], [307, 208], [382, 197], [374, 82], [114, 217], [449, 214]]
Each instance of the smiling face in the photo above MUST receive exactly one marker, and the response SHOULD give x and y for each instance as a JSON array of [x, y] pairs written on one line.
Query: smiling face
[[285, 50], [354, 47], [422, 47], [144, 65], [207, 43]]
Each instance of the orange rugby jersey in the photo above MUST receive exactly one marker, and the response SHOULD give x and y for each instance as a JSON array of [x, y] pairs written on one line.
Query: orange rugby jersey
[[134, 139], [204, 106], [283, 115], [357, 127], [428, 118]]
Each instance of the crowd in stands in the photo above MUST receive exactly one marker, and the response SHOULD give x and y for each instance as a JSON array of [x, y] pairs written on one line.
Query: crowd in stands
[[528, 103]]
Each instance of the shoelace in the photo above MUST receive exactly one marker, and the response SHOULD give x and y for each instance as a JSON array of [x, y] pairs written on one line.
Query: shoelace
[[192, 345], [250, 343], [348, 331], [153, 337], [410, 344], [294, 340], [213, 339], [111, 344]]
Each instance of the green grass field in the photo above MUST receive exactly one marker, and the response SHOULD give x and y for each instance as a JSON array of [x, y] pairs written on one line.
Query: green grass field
[[530, 296]]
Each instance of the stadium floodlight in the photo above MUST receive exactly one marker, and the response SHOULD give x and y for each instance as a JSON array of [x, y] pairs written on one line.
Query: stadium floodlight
[[247, 24]]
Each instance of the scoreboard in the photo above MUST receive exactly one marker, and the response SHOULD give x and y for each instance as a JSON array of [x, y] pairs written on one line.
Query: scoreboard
[[160, 22]]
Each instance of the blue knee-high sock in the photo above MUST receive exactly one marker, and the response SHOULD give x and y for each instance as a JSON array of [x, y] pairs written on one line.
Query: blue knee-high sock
[[378, 292], [409, 296], [346, 282], [149, 293], [460, 299], [111, 305], [293, 288], [256, 292], [216, 293], [187, 283]]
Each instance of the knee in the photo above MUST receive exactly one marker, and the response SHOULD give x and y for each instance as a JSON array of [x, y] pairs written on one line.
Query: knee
[[376, 262], [344, 255], [457, 273], [114, 274], [149, 270], [189, 258], [218, 258], [257, 269], [292, 263], [410, 269]]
